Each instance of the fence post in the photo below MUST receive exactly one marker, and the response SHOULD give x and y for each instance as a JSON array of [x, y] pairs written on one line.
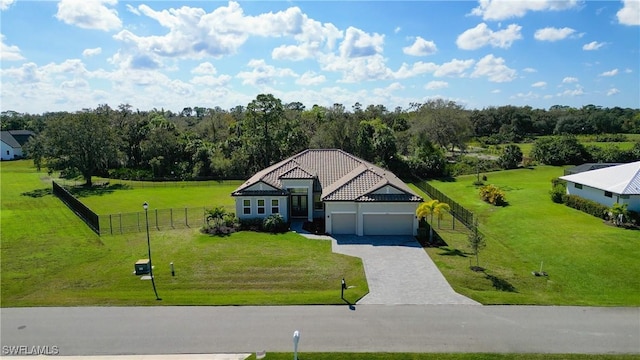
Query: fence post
[[138, 213], [171, 217], [110, 225], [157, 228], [120, 223], [186, 218]]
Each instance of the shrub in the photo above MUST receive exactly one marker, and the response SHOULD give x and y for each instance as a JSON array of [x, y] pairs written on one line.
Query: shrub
[[558, 193], [510, 157], [587, 206], [274, 224], [220, 222], [493, 195], [252, 224]]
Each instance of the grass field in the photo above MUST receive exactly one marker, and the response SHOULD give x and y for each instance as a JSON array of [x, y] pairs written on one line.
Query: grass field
[[588, 262], [49, 257]]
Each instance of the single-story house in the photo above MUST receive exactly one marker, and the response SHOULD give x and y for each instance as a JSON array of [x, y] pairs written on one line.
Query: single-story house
[[588, 167], [11, 143], [352, 195], [607, 186]]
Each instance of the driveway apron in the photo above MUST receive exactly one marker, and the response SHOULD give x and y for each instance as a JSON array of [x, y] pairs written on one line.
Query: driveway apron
[[398, 270]]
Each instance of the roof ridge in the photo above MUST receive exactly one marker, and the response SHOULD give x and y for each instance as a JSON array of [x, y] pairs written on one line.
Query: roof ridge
[[633, 178]]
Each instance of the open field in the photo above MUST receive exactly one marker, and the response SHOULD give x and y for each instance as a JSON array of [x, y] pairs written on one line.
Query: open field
[[588, 262], [50, 257]]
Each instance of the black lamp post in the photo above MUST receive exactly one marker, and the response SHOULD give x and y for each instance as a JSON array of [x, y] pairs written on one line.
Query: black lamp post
[[153, 282]]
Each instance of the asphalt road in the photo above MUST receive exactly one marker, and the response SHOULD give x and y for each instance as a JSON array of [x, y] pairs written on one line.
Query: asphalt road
[[377, 328]]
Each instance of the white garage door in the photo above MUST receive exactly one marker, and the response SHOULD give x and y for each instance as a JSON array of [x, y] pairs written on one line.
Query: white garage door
[[343, 223], [388, 224]]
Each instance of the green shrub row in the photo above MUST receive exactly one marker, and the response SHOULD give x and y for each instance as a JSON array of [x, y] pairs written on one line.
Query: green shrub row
[[273, 223], [588, 206]]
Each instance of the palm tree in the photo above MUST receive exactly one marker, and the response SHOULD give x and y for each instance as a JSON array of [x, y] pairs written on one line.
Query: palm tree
[[430, 208]]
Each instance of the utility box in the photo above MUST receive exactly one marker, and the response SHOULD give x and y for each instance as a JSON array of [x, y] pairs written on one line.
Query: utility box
[[143, 266]]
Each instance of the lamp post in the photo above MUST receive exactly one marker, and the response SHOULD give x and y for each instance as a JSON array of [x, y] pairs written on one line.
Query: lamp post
[[146, 217]]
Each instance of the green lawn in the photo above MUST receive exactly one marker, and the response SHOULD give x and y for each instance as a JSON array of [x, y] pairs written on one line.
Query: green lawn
[[49, 257], [588, 262]]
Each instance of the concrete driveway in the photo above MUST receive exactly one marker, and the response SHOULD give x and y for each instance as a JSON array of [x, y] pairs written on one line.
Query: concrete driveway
[[398, 270]]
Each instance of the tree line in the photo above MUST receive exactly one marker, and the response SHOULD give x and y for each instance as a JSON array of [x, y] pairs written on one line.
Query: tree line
[[199, 142]]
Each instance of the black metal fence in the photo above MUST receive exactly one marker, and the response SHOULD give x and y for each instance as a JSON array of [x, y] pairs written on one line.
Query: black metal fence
[[86, 214], [159, 219], [458, 211]]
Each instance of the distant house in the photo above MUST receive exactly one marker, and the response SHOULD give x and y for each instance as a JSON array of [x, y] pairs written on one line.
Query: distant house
[[607, 186], [352, 195], [11, 143]]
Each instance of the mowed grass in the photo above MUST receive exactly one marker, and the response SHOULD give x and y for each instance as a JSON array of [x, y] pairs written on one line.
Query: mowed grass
[[49, 257], [588, 262]]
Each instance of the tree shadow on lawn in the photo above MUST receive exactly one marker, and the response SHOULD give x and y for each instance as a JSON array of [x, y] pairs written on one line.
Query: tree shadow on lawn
[[97, 190], [38, 193], [452, 252], [501, 284]]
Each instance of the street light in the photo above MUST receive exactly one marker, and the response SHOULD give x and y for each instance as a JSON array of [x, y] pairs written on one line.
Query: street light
[[146, 217]]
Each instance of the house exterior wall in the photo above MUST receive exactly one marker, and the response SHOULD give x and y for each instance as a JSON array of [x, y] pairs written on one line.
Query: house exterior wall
[[8, 153], [598, 196], [283, 206]]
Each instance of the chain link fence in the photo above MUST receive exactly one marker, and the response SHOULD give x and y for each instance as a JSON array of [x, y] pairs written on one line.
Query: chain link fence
[[158, 219]]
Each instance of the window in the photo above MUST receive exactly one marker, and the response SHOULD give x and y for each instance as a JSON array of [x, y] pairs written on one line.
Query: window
[[317, 203], [246, 206], [8, 152], [260, 206], [577, 186], [275, 206], [608, 194]]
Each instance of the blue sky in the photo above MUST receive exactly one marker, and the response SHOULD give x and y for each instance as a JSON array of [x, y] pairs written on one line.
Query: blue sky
[[74, 54]]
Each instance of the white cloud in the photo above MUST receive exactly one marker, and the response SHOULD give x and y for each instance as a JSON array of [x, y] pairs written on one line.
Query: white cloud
[[263, 74], [577, 91], [92, 52], [205, 68], [613, 72], [630, 13], [9, 52], [553, 34], [211, 81], [5, 4], [628, 71], [420, 47], [529, 70], [434, 85], [594, 45], [539, 84], [357, 69], [397, 29], [481, 35], [493, 68], [405, 71], [310, 78], [505, 9], [133, 10], [386, 91], [358, 43], [613, 91], [496, 91], [89, 14], [454, 68], [525, 96], [569, 80]]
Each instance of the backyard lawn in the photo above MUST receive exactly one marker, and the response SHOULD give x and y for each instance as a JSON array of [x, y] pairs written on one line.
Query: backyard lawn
[[49, 257], [587, 261]]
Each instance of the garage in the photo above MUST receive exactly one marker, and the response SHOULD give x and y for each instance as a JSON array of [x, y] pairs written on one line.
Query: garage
[[388, 224], [343, 223]]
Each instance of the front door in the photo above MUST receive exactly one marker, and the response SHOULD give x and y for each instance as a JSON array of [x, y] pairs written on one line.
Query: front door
[[299, 207]]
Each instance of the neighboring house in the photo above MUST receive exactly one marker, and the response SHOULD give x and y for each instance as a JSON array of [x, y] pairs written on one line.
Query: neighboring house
[[588, 167], [12, 142], [353, 196], [607, 186]]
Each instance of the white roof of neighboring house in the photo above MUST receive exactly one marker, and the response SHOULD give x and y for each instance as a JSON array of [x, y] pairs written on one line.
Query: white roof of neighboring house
[[622, 179]]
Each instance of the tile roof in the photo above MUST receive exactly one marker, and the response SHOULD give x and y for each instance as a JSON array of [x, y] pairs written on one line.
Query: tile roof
[[339, 175], [621, 179]]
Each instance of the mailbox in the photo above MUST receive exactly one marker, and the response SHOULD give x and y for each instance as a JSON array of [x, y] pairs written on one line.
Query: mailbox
[[143, 267]]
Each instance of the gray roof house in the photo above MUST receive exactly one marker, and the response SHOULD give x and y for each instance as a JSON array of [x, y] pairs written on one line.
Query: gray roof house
[[607, 186], [11, 143], [352, 195]]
